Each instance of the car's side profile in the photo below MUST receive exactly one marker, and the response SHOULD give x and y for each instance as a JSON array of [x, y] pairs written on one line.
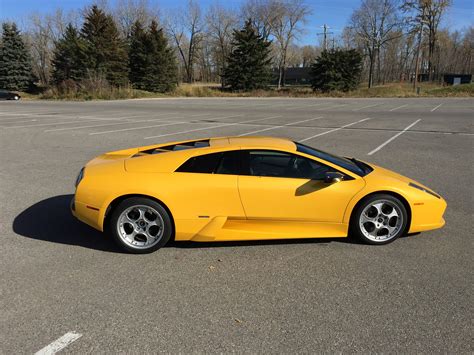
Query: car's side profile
[[247, 188], [9, 95]]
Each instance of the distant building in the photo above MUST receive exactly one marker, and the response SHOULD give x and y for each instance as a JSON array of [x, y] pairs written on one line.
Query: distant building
[[294, 76], [456, 79]]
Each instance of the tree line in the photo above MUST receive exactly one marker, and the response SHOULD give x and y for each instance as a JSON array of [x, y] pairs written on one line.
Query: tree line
[[131, 44]]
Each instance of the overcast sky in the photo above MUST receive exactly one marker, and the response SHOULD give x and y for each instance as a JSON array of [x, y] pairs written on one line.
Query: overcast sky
[[335, 13]]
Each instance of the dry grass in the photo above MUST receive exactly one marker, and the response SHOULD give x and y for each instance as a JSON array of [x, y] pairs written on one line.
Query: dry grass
[[214, 90], [389, 90]]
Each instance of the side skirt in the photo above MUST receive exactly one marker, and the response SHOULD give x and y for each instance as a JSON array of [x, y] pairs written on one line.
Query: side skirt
[[227, 229]]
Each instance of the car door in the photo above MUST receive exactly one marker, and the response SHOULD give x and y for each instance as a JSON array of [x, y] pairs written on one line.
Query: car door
[[281, 186], [207, 188]]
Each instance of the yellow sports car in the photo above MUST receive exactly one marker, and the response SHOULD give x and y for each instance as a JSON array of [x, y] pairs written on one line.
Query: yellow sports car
[[247, 188]]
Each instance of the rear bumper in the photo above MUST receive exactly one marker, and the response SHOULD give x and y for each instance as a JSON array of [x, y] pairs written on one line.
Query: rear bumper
[[85, 213]]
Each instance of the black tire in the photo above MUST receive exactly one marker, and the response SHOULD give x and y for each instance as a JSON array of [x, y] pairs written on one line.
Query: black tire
[[113, 225], [399, 229]]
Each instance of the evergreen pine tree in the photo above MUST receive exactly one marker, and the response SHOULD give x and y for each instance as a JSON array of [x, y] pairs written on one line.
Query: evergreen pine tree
[[152, 63], [162, 72], [249, 63], [15, 64], [138, 55], [105, 51], [336, 70], [69, 56]]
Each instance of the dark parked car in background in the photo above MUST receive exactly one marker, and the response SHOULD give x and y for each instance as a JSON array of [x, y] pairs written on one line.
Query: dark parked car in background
[[9, 95]]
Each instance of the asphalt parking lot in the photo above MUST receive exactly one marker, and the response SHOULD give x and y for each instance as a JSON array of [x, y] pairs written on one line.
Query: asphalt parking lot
[[60, 277]]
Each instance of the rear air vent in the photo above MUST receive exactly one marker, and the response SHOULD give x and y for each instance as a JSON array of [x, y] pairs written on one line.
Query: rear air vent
[[175, 147]]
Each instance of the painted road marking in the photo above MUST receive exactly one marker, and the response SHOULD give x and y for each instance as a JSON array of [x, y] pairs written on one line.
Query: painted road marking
[[59, 344], [51, 123], [394, 137], [330, 107], [435, 108], [109, 124], [138, 128], [276, 127], [361, 108], [299, 107], [212, 127], [396, 108], [335, 129]]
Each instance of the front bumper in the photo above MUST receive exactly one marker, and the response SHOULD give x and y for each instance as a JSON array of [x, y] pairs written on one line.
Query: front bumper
[[428, 215]]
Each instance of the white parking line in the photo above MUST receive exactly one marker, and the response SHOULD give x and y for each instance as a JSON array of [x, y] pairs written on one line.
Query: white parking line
[[394, 137], [212, 127], [59, 344], [396, 108], [108, 124], [361, 108], [335, 129], [138, 128], [299, 107], [75, 119], [437, 107], [50, 123], [330, 107], [276, 127], [24, 113]]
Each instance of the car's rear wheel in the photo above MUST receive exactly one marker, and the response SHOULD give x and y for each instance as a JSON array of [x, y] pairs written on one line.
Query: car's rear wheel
[[140, 225], [16, 97], [379, 219]]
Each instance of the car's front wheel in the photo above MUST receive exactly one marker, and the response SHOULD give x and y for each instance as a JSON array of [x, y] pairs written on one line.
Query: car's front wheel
[[16, 97], [379, 219], [140, 225]]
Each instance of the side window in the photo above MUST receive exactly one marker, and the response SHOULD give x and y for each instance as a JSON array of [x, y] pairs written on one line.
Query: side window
[[227, 163], [204, 164], [285, 165], [230, 163]]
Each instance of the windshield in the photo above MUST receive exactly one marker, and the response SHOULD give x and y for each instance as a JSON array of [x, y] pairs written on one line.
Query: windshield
[[352, 165]]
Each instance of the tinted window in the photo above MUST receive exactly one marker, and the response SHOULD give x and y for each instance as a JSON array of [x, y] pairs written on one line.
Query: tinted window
[[230, 163], [215, 163], [204, 164], [280, 164], [360, 169]]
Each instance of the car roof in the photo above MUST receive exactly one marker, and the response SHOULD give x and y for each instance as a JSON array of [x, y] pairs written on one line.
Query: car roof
[[170, 162], [253, 141]]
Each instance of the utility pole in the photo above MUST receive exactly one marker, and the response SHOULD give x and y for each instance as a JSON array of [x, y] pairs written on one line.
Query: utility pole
[[325, 36]]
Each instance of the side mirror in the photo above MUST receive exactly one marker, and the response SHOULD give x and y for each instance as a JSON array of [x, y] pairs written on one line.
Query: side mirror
[[332, 177]]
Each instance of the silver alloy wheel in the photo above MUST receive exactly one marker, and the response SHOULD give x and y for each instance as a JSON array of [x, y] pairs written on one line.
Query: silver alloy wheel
[[381, 220], [16, 97], [140, 226]]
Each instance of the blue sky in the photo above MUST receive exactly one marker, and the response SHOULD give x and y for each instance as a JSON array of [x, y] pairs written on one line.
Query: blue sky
[[335, 13]]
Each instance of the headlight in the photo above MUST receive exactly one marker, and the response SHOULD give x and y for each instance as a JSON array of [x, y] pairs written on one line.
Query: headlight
[[423, 189], [79, 177]]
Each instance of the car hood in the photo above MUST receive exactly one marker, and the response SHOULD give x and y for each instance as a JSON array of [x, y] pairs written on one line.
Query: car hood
[[386, 176]]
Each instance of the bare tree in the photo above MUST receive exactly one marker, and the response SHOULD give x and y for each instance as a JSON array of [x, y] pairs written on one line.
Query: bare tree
[[376, 23], [262, 14], [427, 14], [308, 55], [127, 12], [43, 32], [186, 27], [289, 16], [220, 24]]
